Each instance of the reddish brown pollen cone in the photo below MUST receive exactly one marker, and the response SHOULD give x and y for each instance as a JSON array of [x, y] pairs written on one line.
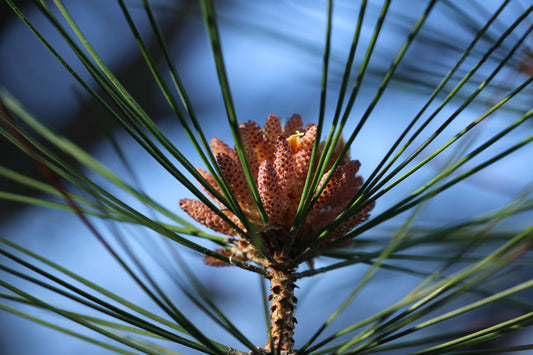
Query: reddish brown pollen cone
[[279, 158]]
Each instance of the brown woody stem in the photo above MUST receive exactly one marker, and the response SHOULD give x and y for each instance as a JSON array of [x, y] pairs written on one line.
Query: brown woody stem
[[282, 309]]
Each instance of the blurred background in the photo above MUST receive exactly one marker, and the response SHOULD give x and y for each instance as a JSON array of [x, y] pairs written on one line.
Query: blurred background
[[273, 54]]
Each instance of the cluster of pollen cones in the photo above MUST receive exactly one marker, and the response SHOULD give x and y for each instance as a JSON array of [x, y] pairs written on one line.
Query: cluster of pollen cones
[[279, 159]]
